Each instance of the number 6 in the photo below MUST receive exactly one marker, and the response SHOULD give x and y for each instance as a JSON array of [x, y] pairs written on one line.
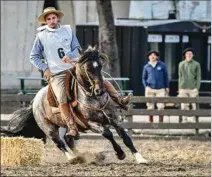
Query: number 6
[[61, 53]]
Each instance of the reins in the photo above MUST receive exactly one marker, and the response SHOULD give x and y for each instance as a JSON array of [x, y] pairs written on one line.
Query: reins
[[95, 108], [92, 87]]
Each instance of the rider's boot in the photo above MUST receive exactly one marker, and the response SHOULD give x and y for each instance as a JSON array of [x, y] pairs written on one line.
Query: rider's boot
[[66, 115], [122, 101]]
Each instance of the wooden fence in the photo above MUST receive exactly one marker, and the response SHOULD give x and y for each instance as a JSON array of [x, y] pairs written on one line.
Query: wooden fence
[[171, 111]]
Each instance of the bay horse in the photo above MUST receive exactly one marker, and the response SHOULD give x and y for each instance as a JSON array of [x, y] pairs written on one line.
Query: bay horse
[[93, 102]]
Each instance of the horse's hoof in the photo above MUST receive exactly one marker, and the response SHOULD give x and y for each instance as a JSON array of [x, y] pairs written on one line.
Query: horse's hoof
[[139, 159], [121, 156]]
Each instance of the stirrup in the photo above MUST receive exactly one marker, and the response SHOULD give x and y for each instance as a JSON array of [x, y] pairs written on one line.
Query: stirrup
[[70, 128], [76, 137], [125, 100], [125, 107]]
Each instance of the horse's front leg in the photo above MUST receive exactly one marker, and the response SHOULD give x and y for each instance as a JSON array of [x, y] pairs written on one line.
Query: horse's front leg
[[109, 135], [128, 142]]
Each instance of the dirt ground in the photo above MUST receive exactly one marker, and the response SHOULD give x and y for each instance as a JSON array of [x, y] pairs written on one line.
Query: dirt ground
[[166, 158]]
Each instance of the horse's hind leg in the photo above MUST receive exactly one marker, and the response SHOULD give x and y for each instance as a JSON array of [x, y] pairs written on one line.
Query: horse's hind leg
[[128, 142], [52, 132], [119, 152]]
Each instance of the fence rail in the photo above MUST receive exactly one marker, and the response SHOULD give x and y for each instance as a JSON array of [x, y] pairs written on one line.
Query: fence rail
[[136, 99], [170, 112], [141, 99], [123, 81], [138, 125]]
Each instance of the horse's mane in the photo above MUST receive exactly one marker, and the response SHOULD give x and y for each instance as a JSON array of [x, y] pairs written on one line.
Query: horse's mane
[[92, 53]]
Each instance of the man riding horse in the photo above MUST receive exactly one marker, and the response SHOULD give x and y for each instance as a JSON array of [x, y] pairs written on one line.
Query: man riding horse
[[59, 46]]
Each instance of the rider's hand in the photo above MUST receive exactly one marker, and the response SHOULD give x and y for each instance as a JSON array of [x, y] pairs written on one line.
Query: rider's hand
[[148, 89], [66, 59], [167, 90], [47, 74]]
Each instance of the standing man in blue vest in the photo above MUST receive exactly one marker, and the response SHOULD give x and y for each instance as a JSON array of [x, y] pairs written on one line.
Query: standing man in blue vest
[[155, 80]]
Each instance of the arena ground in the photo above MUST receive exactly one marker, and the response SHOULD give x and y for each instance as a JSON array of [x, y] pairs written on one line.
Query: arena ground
[[166, 158]]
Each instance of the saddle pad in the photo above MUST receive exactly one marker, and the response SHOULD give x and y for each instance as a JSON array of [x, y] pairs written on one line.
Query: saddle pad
[[79, 118]]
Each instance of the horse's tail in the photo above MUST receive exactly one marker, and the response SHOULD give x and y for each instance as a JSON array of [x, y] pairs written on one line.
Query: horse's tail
[[4, 131], [22, 123]]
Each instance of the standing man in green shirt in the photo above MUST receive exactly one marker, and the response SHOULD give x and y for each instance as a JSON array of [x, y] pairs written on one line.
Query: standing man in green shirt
[[189, 77]]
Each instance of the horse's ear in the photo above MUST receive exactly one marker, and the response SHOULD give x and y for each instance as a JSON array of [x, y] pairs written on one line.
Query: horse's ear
[[80, 51], [96, 48], [104, 58]]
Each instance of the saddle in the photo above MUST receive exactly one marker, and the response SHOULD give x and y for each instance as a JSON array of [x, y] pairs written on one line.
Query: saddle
[[71, 93]]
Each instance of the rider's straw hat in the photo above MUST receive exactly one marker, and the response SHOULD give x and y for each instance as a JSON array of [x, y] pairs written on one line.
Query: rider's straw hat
[[49, 10]]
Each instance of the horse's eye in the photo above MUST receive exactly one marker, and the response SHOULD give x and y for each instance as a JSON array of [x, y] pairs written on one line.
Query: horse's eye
[[100, 67]]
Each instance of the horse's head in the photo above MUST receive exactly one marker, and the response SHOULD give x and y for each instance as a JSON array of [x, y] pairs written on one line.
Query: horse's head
[[88, 70]]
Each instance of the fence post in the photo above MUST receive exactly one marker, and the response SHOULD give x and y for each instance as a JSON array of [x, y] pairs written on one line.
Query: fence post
[[130, 120], [180, 116], [180, 119], [197, 120], [22, 86]]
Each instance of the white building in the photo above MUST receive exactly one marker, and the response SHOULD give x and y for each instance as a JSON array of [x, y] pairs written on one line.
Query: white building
[[85, 11], [187, 10]]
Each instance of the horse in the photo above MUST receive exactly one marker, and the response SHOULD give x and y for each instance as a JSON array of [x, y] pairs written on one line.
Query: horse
[[94, 103]]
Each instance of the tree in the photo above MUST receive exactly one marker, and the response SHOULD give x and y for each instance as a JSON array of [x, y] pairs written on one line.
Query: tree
[[175, 7], [107, 36], [68, 8]]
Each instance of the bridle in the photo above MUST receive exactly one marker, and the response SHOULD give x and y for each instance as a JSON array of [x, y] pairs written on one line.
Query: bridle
[[89, 79]]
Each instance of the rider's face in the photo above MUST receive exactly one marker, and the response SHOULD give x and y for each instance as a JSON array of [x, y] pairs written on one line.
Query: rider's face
[[52, 20]]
